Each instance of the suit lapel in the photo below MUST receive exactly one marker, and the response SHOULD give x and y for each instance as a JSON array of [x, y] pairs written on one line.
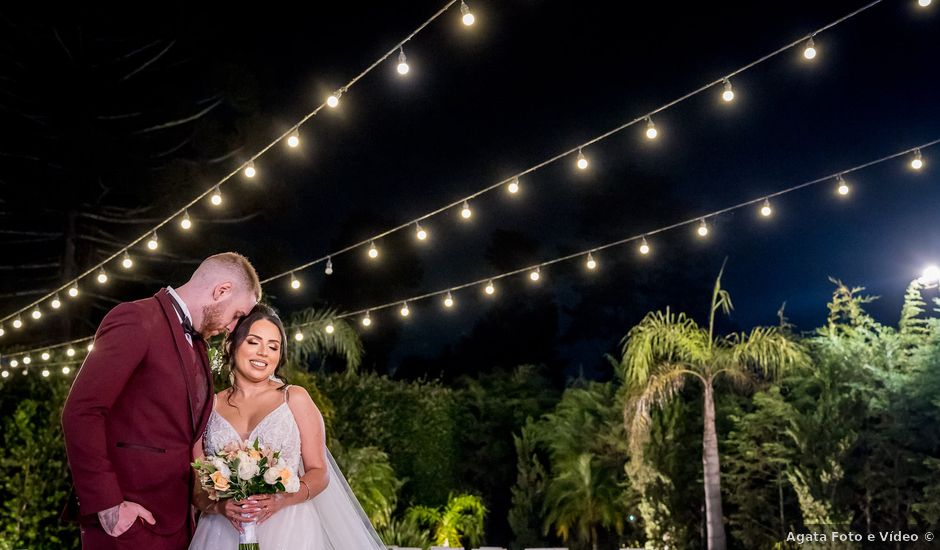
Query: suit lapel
[[203, 357], [179, 339]]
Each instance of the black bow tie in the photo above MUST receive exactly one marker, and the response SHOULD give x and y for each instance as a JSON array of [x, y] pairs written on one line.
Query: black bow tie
[[184, 319]]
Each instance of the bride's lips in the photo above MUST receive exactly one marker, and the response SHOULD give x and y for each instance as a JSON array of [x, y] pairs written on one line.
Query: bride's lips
[[258, 363]]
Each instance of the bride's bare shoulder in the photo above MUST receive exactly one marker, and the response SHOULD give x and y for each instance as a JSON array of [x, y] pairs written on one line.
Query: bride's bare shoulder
[[299, 400]]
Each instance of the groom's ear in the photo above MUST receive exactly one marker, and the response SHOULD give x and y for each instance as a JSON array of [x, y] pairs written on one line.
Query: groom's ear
[[222, 290]]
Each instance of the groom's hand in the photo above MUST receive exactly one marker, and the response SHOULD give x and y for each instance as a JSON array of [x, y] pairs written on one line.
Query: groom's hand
[[118, 519]]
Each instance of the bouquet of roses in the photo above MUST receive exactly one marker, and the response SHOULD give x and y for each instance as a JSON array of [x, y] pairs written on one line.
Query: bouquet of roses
[[242, 469]]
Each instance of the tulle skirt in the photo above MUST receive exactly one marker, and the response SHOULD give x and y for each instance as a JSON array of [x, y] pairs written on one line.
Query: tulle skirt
[[296, 527]]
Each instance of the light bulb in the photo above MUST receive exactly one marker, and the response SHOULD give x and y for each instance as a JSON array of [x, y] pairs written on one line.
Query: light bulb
[[216, 198], [2, 331], [465, 212], [591, 263], [930, 275], [809, 52], [36, 314], [152, 244], [448, 300], [45, 356], [373, 251], [923, 3], [918, 161], [404, 310], [293, 140], [299, 336], [651, 131], [333, 100], [250, 171], [490, 288], [45, 373], [468, 18], [728, 94], [66, 370], [765, 209], [367, 320], [535, 275], [27, 360], [329, 267], [843, 188], [420, 233], [56, 303], [127, 262], [644, 247], [4, 374], [73, 292], [102, 277], [14, 363], [17, 323], [513, 186], [403, 67], [294, 282], [186, 223], [702, 228], [70, 352], [330, 329], [582, 161], [90, 347]]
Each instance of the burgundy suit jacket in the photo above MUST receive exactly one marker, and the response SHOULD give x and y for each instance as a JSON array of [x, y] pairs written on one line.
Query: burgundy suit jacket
[[130, 421]]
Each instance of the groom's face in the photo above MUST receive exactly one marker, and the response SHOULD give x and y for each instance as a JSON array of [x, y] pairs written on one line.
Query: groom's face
[[223, 315]]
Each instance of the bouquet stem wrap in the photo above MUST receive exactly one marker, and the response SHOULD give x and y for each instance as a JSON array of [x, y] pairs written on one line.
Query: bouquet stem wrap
[[249, 539]]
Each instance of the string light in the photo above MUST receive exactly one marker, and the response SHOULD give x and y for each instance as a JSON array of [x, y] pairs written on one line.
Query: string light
[[420, 233], [216, 198], [90, 347], [918, 161], [728, 94], [513, 186], [45, 356], [404, 311], [4, 374], [490, 288], [294, 139], [2, 330], [465, 212], [702, 229], [102, 277], [45, 373], [70, 352], [127, 262], [56, 302], [373, 251], [186, 223], [367, 320], [923, 3], [299, 335], [651, 131], [330, 329], [591, 263], [27, 360], [809, 52], [403, 67], [66, 370], [449, 300], [644, 247], [294, 282], [843, 187], [17, 323], [250, 170], [14, 363], [329, 267], [36, 314], [582, 161], [765, 209], [467, 17], [73, 291], [333, 100], [535, 275], [153, 243]]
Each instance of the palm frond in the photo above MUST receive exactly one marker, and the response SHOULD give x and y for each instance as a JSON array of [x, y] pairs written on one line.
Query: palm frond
[[662, 337], [344, 341], [765, 350], [664, 384]]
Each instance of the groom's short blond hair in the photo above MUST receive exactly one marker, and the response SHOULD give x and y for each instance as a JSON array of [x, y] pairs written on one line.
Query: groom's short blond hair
[[232, 264]]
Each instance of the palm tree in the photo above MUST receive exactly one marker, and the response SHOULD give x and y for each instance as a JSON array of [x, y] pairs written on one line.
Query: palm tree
[[664, 350], [341, 340], [462, 516]]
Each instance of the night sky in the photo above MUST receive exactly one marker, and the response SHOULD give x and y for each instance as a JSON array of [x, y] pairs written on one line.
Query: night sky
[[85, 139]]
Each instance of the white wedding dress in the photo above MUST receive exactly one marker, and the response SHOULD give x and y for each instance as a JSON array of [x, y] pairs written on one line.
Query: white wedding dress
[[332, 520]]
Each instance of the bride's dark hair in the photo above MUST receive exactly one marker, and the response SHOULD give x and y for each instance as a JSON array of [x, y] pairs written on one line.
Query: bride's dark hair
[[238, 335]]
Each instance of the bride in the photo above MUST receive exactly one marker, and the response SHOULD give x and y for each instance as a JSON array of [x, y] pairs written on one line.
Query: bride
[[323, 514]]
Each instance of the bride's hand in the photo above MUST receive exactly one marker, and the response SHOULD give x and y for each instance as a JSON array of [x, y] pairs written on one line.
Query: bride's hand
[[238, 511], [270, 504]]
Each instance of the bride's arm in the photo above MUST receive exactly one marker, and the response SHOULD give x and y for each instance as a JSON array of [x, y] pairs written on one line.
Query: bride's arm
[[312, 451]]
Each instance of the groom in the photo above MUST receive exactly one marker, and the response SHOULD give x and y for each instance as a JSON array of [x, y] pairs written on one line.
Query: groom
[[141, 400]]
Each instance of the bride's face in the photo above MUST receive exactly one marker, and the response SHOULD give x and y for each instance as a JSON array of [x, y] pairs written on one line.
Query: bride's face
[[260, 352]]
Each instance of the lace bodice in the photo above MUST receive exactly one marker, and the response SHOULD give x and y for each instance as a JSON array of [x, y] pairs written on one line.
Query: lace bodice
[[278, 430]]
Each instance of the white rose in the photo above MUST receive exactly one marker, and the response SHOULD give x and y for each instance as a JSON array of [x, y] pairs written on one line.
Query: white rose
[[270, 477], [220, 466], [292, 485], [247, 468]]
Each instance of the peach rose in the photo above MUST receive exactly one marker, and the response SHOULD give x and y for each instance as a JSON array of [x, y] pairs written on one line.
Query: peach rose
[[219, 481]]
